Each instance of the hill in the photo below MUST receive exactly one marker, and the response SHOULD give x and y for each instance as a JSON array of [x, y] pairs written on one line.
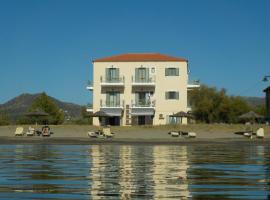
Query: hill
[[255, 101], [18, 106]]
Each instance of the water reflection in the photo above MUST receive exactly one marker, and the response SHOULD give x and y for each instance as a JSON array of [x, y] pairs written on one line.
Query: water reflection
[[170, 173], [134, 172]]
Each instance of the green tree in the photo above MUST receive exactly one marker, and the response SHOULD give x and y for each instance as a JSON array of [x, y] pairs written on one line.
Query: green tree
[[44, 103], [211, 105], [4, 119]]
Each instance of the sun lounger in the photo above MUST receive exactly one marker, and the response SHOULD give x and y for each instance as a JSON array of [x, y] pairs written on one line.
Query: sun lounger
[[30, 132], [182, 134], [46, 131], [260, 133], [95, 134], [107, 132], [19, 131], [174, 134]]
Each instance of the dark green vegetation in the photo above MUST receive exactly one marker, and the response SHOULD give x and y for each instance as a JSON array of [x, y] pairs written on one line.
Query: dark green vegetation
[[210, 105]]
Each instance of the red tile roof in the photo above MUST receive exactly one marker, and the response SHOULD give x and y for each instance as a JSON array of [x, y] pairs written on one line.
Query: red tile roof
[[140, 57]]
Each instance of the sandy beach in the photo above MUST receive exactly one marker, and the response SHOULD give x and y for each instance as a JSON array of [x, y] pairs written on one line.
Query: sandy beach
[[77, 134]]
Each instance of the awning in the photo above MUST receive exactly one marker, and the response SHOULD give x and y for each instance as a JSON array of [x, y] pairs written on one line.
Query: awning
[[142, 111], [113, 112]]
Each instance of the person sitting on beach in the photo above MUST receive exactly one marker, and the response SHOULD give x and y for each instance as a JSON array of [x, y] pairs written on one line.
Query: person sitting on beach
[[46, 130]]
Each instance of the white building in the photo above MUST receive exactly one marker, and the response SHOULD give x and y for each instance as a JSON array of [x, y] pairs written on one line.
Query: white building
[[138, 89]]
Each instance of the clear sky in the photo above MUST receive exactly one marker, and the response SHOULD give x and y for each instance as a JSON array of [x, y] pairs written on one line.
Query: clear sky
[[48, 45]]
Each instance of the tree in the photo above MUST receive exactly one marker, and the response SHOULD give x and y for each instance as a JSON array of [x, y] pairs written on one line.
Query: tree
[[44, 103], [211, 105], [4, 119]]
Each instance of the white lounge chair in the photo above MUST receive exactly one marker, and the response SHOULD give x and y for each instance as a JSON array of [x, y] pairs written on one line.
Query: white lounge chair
[[95, 134], [19, 131], [191, 134], [107, 132], [260, 133], [30, 132], [174, 133], [248, 134]]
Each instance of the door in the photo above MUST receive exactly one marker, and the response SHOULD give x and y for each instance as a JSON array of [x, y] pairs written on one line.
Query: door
[[141, 120], [141, 75]]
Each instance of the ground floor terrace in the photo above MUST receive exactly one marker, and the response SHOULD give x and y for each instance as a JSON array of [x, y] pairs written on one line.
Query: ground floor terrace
[[136, 117]]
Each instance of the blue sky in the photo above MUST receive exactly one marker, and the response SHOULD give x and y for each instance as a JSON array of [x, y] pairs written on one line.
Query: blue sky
[[48, 45]]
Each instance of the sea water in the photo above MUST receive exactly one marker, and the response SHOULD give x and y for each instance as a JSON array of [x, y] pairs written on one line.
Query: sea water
[[135, 171]]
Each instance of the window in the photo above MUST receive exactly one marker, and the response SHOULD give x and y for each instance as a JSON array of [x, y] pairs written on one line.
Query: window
[[172, 72], [142, 75], [112, 75], [113, 99], [172, 95], [173, 120]]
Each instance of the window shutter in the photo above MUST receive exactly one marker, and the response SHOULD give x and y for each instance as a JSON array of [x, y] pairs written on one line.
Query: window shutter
[[136, 74], [117, 73], [166, 95], [147, 75], [166, 71], [177, 95], [107, 74], [177, 71]]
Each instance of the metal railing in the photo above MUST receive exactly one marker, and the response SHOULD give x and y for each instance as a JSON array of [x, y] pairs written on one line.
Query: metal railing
[[194, 82], [143, 103], [112, 79], [111, 104], [143, 79]]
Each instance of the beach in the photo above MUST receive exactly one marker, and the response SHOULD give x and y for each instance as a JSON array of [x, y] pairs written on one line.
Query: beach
[[77, 134]]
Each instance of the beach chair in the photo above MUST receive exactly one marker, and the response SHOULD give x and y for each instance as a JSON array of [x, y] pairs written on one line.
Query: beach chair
[[19, 131], [260, 133], [46, 131], [30, 132], [174, 133], [191, 134], [107, 132]]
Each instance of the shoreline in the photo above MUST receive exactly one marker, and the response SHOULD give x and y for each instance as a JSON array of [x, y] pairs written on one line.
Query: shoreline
[[113, 141]]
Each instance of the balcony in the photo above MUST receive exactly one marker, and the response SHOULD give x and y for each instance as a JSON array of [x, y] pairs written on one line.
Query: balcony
[[112, 104], [89, 108], [112, 108], [143, 81], [143, 108], [193, 84], [143, 104], [115, 81], [89, 85]]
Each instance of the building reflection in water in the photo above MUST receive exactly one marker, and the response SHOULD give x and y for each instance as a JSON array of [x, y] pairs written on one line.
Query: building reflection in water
[[170, 172], [96, 171], [126, 174]]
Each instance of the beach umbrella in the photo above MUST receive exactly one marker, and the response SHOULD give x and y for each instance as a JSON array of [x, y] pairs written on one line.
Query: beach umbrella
[[36, 114], [250, 115], [182, 114]]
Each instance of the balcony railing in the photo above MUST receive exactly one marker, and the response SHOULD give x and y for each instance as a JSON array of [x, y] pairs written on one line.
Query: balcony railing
[[112, 80], [144, 103], [193, 84], [143, 80], [89, 85], [89, 107], [112, 104]]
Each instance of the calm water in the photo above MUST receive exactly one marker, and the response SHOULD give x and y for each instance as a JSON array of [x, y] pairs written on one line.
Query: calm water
[[134, 172]]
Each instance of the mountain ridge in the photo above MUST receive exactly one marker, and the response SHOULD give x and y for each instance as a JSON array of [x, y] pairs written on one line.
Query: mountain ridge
[[19, 105]]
